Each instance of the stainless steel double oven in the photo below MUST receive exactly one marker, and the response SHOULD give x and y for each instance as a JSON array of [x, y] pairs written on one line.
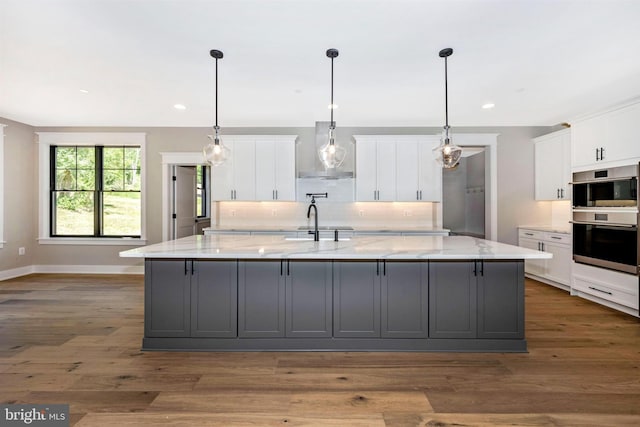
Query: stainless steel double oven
[[605, 218]]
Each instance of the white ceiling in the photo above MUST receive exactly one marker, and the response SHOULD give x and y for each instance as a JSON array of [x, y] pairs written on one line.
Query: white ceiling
[[542, 62]]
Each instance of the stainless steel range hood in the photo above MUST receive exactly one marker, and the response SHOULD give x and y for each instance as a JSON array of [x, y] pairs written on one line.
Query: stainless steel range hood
[[313, 168]]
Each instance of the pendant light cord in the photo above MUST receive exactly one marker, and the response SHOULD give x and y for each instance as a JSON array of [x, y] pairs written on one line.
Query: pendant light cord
[[446, 97], [332, 105], [216, 92]]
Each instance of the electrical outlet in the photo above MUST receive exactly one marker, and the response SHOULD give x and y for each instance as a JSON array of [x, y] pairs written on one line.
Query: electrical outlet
[[233, 213], [274, 212], [21, 251], [407, 213], [361, 213]]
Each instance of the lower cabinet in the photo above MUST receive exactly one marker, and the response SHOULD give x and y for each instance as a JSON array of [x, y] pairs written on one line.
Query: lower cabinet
[[280, 299], [261, 298], [356, 299], [476, 299], [309, 299], [186, 298]]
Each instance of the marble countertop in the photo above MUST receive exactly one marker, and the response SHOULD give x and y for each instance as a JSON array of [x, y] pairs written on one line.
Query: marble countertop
[[359, 247], [550, 228], [356, 228]]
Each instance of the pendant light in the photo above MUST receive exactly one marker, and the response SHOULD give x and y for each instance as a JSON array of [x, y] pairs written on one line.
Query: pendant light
[[447, 154], [215, 152], [332, 155]]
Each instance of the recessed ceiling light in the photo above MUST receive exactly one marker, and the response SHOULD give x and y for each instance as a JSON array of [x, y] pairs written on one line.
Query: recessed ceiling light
[[179, 107], [84, 91], [488, 106]]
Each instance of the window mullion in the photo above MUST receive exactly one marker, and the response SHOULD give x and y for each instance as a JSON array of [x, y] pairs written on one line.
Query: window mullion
[[98, 190]]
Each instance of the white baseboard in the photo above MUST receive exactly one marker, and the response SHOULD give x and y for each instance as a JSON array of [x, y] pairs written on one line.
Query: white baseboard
[[72, 269], [16, 272]]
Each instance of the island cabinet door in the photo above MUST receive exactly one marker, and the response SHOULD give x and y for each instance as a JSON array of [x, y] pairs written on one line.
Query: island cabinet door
[[214, 298], [356, 299], [501, 300], [261, 299], [167, 298], [452, 299], [404, 302], [308, 299]]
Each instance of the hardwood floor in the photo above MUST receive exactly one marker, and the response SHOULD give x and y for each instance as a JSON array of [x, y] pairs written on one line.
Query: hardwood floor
[[76, 339]]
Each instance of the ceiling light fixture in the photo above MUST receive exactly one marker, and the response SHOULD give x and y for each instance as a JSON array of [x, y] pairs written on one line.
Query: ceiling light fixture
[[179, 107], [447, 154], [215, 152], [332, 155], [488, 106]]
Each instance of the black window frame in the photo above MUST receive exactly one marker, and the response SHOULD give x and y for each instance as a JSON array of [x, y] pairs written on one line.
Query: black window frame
[[98, 193], [204, 189]]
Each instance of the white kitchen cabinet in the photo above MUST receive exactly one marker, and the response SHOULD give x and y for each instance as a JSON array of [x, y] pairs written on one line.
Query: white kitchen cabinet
[[555, 271], [607, 287], [375, 170], [418, 175], [236, 178], [276, 169], [397, 168], [607, 139], [553, 166]]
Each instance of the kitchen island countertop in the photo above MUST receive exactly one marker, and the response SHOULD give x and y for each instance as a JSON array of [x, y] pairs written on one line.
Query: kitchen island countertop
[[358, 247]]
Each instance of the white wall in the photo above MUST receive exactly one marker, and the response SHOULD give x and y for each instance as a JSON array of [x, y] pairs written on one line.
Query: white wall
[[515, 188]]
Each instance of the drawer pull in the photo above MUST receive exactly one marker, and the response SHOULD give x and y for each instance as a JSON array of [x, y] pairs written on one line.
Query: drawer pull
[[600, 290], [528, 234], [556, 237]]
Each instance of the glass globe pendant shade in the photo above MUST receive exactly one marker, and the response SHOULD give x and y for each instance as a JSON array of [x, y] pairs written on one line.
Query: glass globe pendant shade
[[331, 155], [447, 154], [215, 152]]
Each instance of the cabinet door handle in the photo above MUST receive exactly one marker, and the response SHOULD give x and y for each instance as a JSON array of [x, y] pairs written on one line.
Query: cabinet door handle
[[420, 194], [481, 267], [185, 267], [475, 267], [597, 154], [557, 193], [562, 193], [193, 269], [377, 267], [288, 268], [417, 195], [281, 261], [601, 153], [276, 194], [600, 290], [384, 267]]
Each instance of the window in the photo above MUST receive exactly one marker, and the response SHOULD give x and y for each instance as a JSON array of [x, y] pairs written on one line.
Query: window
[[95, 191], [202, 200], [92, 188]]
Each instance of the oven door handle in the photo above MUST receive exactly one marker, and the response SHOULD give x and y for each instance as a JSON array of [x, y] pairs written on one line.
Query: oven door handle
[[605, 224]]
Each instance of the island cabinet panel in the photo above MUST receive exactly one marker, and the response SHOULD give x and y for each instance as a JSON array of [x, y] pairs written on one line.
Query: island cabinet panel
[[404, 302], [214, 299], [452, 299], [356, 299], [261, 299], [167, 298], [309, 299], [501, 299], [476, 299]]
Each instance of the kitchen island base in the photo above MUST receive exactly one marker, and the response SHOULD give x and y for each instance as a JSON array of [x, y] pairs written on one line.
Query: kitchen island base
[[334, 305]]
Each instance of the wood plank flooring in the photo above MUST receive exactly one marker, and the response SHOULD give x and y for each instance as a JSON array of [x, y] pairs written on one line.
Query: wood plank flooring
[[76, 339]]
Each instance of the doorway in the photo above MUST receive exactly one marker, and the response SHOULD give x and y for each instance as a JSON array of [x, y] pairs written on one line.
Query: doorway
[[464, 195]]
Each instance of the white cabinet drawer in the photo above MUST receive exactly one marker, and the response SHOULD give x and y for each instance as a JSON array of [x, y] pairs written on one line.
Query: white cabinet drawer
[[558, 238], [610, 292], [531, 234]]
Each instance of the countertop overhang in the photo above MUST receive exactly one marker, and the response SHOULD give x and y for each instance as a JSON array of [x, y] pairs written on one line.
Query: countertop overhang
[[359, 247]]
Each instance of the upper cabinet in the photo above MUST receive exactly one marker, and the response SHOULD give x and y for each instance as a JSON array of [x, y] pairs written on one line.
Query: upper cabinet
[[260, 168], [276, 169], [397, 168], [606, 140], [553, 166]]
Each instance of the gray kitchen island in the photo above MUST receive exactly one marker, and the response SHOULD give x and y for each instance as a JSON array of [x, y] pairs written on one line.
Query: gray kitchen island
[[403, 293]]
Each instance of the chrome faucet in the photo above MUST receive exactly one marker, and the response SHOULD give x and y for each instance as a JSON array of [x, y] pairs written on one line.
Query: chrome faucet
[[315, 232]]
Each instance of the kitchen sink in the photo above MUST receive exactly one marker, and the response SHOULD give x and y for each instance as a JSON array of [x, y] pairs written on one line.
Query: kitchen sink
[[322, 239], [327, 227]]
